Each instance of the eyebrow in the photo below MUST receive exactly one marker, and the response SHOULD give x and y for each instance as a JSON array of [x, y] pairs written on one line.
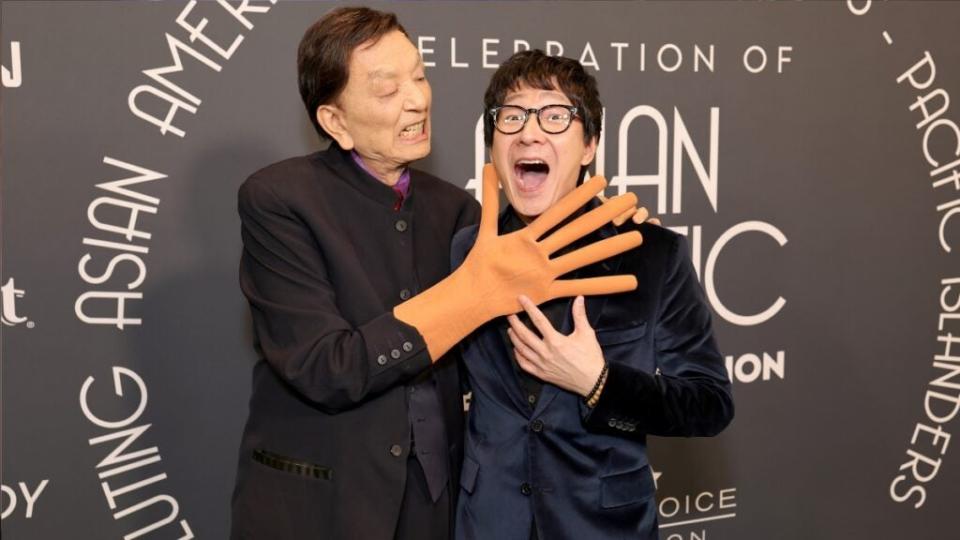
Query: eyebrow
[[390, 73]]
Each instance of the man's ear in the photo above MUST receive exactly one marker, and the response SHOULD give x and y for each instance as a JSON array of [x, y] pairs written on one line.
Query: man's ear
[[330, 118], [589, 151]]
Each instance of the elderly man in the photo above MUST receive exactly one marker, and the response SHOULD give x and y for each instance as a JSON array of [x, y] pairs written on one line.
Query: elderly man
[[355, 422], [556, 433]]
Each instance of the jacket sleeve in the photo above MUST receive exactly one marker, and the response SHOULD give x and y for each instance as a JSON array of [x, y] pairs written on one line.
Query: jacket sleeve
[[690, 393], [297, 326]]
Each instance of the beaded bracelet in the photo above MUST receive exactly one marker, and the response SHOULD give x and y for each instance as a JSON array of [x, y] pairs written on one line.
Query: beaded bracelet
[[591, 398]]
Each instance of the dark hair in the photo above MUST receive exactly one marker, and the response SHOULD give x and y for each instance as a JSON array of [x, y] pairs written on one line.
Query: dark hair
[[323, 58], [537, 70]]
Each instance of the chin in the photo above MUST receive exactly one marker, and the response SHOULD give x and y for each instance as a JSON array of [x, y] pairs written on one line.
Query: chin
[[418, 151], [532, 208]]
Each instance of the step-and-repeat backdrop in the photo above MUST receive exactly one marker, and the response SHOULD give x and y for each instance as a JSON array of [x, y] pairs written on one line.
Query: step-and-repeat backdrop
[[810, 152]]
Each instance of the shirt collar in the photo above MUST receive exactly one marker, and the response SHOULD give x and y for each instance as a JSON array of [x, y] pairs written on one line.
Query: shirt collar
[[402, 187]]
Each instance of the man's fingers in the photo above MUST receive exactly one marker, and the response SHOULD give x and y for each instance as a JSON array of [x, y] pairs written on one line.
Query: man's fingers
[[589, 222], [579, 313], [519, 332], [520, 346], [655, 221], [526, 363], [641, 215], [537, 317], [566, 206], [490, 210], [592, 286], [597, 251]]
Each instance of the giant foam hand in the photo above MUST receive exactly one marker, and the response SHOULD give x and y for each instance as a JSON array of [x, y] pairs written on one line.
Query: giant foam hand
[[500, 268]]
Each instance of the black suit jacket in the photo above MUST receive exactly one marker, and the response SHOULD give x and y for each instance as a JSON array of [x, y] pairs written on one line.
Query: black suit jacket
[[325, 260], [577, 472]]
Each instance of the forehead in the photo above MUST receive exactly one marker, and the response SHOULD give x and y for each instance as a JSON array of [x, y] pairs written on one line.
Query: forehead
[[528, 94], [389, 56]]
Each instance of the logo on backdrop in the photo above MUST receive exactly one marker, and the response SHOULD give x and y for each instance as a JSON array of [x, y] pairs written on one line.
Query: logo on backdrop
[[9, 293], [683, 517], [118, 213], [123, 467], [941, 400], [22, 495], [13, 77]]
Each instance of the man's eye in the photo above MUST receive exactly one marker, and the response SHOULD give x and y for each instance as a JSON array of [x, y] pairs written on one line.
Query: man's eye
[[512, 118]]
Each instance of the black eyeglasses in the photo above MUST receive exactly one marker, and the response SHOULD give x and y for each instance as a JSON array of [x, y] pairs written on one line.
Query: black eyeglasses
[[553, 119]]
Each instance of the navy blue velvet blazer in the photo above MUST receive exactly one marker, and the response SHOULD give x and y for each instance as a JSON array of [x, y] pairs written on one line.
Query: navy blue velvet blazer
[[580, 473]]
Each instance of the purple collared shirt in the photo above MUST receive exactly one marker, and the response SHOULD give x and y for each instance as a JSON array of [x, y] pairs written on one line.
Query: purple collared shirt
[[401, 188]]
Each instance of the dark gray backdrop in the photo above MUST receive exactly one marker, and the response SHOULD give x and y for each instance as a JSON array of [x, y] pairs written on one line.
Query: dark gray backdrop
[[823, 151]]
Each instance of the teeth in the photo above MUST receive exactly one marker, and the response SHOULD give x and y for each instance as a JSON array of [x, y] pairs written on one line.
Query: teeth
[[530, 162], [412, 130]]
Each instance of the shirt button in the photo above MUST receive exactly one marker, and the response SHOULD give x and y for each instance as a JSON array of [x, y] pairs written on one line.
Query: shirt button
[[405, 294], [396, 450], [395, 354], [612, 422], [531, 399], [536, 426], [401, 225], [382, 359], [407, 346], [526, 489]]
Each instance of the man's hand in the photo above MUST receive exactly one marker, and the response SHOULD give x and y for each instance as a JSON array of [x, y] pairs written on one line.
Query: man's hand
[[572, 362], [499, 268], [639, 215]]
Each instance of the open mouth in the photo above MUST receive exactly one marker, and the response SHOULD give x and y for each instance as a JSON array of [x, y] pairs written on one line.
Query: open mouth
[[413, 131], [530, 174]]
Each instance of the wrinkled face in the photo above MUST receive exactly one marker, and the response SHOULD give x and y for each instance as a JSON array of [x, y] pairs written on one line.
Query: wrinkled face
[[537, 169], [385, 107]]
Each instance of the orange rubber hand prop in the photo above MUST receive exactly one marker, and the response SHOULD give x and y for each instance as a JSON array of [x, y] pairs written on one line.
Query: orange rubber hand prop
[[500, 268]]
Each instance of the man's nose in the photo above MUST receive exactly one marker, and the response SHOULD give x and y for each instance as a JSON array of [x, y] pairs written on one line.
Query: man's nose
[[416, 98], [531, 132]]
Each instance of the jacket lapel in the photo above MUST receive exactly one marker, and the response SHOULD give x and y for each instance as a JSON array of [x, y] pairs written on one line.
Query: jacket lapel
[[594, 304]]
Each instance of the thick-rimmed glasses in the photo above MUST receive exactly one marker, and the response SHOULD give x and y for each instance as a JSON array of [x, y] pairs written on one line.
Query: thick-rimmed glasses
[[553, 119]]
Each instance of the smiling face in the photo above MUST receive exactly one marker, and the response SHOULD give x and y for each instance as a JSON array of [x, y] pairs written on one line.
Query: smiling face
[[384, 111], [537, 169]]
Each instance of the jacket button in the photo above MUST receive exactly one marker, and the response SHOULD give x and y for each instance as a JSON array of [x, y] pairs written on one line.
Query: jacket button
[[536, 426], [405, 294], [612, 422], [395, 354], [382, 359], [407, 346], [401, 225], [396, 450], [526, 489]]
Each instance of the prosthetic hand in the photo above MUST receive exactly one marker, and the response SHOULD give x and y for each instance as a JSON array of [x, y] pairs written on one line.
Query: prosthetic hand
[[500, 268]]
